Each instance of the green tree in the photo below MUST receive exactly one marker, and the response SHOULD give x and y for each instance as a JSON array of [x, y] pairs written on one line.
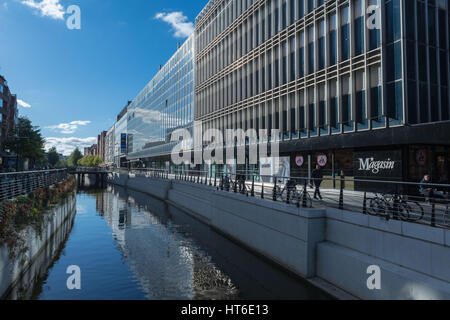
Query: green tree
[[52, 157], [97, 161], [26, 141], [73, 159], [62, 164], [90, 160]]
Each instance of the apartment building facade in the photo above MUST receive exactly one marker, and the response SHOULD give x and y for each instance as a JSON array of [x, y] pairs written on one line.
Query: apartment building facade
[[8, 110], [345, 82], [8, 120], [109, 146]]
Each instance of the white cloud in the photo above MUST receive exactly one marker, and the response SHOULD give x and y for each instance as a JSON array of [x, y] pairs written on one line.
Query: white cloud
[[178, 21], [5, 5], [47, 8], [23, 104], [68, 128], [67, 145]]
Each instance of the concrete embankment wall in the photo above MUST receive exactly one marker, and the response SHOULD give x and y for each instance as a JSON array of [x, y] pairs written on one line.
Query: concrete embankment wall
[[327, 246], [414, 259], [15, 276]]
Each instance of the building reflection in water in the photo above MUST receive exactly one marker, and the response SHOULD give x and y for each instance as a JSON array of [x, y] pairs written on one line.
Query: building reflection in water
[[174, 256], [167, 263]]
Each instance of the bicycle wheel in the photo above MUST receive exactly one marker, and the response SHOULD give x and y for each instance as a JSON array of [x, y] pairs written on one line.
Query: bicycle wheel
[[411, 211], [447, 217], [305, 200], [279, 193], [295, 197], [377, 207]]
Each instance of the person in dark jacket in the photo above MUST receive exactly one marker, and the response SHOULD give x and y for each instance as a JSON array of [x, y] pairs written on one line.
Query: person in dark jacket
[[428, 192], [317, 177]]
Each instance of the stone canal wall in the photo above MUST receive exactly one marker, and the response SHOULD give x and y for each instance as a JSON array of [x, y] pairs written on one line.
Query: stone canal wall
[[15, 277], [333, 249]]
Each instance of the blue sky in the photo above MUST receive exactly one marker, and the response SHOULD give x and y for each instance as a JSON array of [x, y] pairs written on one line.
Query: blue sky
[[73, 83]]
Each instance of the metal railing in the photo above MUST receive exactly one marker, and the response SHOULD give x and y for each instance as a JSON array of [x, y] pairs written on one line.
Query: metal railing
[[13, 185], [404, 201], [89, 170]]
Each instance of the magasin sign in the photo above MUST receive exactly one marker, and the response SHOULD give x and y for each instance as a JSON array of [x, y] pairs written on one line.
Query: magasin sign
[[377, 165]]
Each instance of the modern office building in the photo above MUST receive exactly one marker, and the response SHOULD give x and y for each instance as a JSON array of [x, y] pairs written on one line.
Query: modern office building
[[348, 83], [121, 138], [163, 106]]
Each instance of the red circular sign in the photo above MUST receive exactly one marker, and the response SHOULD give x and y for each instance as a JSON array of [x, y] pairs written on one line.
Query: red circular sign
[[299, 161], [322, 160], [421, 157]]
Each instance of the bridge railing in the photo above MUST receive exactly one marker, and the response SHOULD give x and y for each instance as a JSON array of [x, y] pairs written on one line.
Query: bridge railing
[[13, 185], [89, 170], [404, 201]]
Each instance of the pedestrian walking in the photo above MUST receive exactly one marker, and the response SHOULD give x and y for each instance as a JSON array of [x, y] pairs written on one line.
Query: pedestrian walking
[[317, 177]]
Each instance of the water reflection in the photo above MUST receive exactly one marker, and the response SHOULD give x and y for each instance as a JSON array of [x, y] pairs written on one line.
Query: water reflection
[[131, 246], [177, 257]]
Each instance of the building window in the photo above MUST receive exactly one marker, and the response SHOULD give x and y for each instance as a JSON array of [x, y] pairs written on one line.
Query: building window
[[292, 59], [376, 97], [310, 50], [300, 9], [322, 111], [334, 111], [313, 131], [345, 34], [332, 39], [346, 106], [321, 44], [359, 27], [301, 55], [360, 99]]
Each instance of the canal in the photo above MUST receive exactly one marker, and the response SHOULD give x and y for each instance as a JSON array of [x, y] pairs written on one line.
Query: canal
[[131, 246]]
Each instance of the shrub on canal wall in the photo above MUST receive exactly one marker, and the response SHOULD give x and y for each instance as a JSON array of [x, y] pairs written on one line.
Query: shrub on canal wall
[[18, 214]]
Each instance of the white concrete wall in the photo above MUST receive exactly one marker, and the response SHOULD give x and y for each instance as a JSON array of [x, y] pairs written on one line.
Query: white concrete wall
[[10, 270], [158, 188], [414, 259], [285, 234]]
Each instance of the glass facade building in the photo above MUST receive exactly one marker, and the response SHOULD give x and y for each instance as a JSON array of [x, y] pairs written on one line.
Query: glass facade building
[[336, 78], [163, 106], [120, 141]]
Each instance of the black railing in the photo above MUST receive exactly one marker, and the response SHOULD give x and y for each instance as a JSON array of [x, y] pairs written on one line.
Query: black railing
[[89, 170], [404, 201], [13, 185]]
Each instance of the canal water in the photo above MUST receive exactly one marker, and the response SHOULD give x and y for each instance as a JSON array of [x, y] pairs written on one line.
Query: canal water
[[131, 246]]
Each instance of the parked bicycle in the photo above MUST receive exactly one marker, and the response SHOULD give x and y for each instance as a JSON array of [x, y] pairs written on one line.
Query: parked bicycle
[[446, 217], [395, 206], [239, 185], [290, 190]]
